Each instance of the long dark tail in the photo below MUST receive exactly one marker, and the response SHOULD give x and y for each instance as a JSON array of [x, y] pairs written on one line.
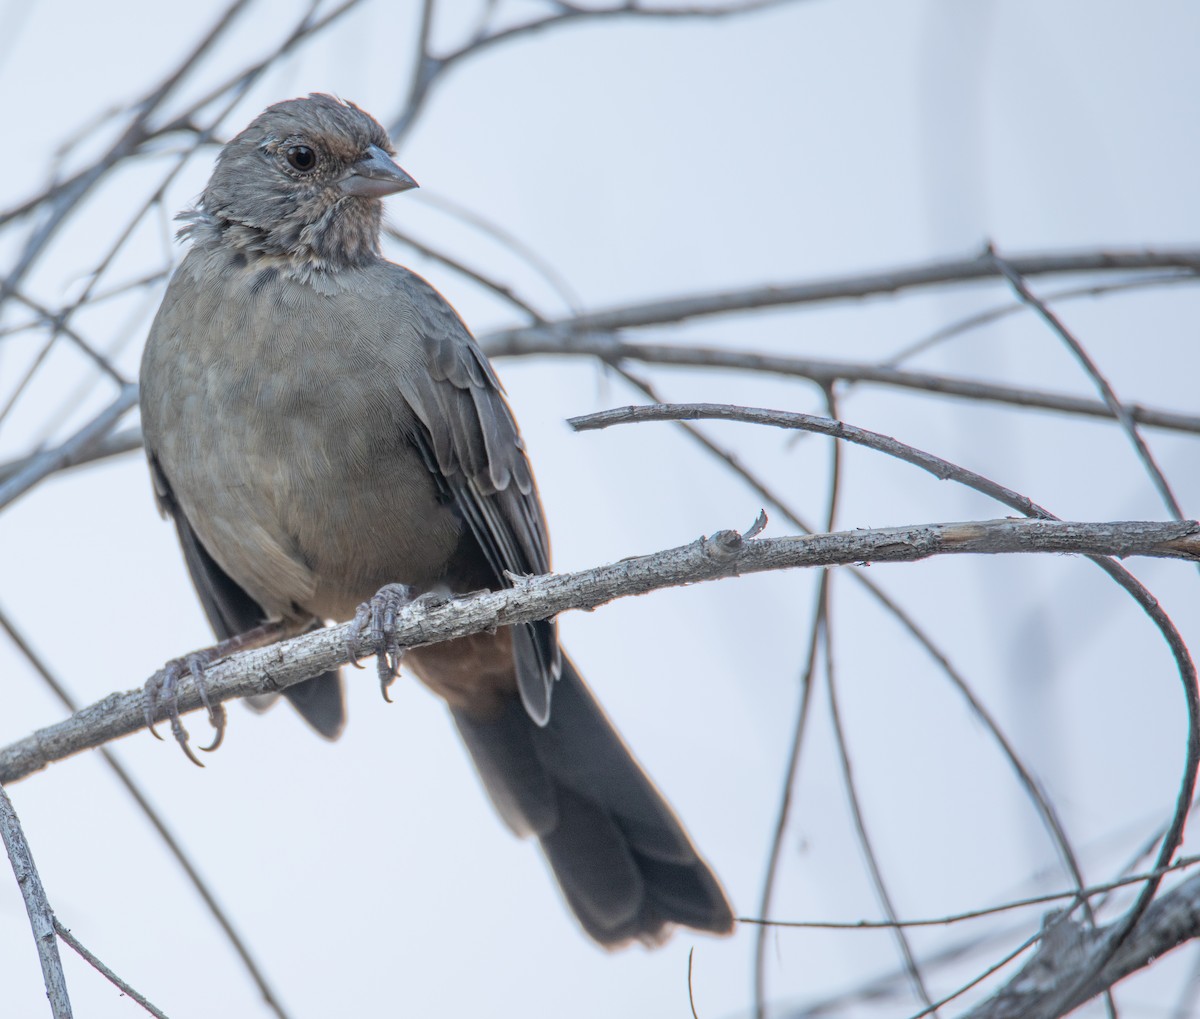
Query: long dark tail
[[621, 857]]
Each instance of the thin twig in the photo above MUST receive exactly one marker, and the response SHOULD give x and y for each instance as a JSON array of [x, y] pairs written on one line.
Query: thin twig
[[105, 972], [843, 288], [1117, 408], [1069, 956], [1046, 812], [944, 469], [270, 997], [429, 67], [874, 869], [691, 989], [988, 315], [516, 247], [611, 348], [818, 635], [502, 291], [974, 914]]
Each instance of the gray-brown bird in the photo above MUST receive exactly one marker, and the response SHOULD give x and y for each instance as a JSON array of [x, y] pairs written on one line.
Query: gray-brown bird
[[319, 424]]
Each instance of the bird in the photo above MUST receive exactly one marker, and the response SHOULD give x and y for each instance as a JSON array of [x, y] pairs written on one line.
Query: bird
[[329, 440]]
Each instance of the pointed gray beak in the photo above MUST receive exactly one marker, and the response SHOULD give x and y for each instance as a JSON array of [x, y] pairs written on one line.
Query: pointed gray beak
[[375, 175]]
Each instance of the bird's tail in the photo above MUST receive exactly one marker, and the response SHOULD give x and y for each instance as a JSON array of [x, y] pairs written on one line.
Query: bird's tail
[[623, 860]]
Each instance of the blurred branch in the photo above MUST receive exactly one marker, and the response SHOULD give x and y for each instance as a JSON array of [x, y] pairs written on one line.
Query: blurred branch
[[593, 335], [979, 319], [113, 444], [818, 639], [944, 469], [1115, 406], [41, 465], [501, 290], [1046, 811], [724, 554], [609, 347], [843, 288], [430, 66], [866, 844], [1076, 895], [1068, 954]]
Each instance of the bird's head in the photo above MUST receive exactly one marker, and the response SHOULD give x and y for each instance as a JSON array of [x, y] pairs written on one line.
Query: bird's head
[[304, 182]]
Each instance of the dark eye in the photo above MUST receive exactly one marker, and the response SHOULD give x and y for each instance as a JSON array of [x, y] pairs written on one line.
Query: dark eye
[[302, 158]]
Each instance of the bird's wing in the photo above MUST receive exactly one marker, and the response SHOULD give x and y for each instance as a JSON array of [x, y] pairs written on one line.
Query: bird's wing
[[471, 444], [231, 611], [229, 608]]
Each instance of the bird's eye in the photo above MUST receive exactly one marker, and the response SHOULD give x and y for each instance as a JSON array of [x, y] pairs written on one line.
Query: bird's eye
[[301, 158]]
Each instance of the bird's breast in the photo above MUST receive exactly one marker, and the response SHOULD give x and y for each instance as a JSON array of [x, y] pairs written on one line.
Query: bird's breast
[[281, 427]]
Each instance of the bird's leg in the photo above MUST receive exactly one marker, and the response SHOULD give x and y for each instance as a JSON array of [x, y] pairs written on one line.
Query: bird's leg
[[379, 617], [163, 686]]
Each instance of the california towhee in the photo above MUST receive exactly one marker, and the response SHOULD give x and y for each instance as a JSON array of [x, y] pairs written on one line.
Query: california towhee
[[320, 423]]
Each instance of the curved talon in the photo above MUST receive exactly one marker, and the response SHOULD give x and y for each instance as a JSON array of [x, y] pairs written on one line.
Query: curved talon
[[182, 738], [388, 664], [218, 724], [381, 612], [195, 663], [163, 689], [361, 615], [150, 702]]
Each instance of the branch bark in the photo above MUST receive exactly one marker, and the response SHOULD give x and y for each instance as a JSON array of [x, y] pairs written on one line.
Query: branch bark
[[1068, 951], [41, 916], [724, 554]]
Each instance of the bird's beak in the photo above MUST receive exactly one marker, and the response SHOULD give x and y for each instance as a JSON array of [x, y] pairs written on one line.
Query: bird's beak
[[375, 175]]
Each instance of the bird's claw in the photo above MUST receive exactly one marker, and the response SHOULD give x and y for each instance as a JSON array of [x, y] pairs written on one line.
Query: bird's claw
[[163, 687], [378, 618]]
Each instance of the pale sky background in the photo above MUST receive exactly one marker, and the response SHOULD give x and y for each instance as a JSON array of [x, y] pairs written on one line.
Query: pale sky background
[[645, 159]]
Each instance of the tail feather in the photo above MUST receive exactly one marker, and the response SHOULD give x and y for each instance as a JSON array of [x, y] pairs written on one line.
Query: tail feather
[[624, 862], [321, 703]]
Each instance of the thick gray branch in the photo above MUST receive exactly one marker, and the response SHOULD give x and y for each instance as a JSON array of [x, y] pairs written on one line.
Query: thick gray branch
[[725, 554], [1068, 951]]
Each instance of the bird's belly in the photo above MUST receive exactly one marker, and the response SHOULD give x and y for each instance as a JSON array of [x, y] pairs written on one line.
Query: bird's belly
[[312, 510]]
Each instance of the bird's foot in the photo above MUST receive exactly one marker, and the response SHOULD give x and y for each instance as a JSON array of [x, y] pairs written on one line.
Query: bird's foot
[[378, 617], [163, 687]]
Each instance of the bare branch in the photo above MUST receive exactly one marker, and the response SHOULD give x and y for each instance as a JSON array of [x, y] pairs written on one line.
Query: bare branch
[[44, 464], [224, 921], [866, 845], [941, 468], [105, 972], [113, 444], [609, 347], [429, 67], [41, 916], [724, 554], [1077, 895], [1118, 409], [843, 288], [1068, 953], [501, 290]]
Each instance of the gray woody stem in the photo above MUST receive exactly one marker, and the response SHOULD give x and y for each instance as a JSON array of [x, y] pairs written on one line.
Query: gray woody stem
[[1069, 951], [725, 554], [41, 917]]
